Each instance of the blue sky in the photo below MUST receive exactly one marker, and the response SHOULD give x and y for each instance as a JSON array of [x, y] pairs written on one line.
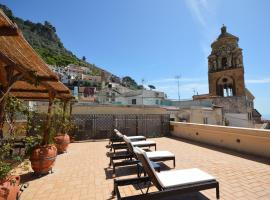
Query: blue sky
[[159, 39]]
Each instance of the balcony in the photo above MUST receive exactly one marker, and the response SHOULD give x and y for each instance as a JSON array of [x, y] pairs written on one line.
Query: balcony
[[83, 172]]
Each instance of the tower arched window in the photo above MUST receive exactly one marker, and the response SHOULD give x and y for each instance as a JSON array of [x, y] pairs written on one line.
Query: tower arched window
[[225, 87], [224, 62]]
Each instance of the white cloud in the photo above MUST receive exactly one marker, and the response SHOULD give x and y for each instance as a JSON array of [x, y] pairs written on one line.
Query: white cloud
[[203, 11], [258, 81], [205, 14], [187, 87], [197, 8], [174, 80], [190, 85]]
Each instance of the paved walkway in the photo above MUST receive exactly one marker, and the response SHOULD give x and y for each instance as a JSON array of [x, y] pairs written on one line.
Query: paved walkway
[[82, 173]]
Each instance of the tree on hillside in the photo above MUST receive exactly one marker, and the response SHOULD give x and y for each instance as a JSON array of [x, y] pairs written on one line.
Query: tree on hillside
[[129, 82], [151, 87], [7, 11], [140, 87]]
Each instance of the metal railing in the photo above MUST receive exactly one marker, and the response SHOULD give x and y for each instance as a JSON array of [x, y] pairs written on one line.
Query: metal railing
[[100, 126]]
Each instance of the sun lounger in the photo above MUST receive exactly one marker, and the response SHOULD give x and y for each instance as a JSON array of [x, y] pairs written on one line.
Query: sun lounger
[[117, 140], [118, 137], [122, 145], [132, 138], [169, 183], [155, 156]]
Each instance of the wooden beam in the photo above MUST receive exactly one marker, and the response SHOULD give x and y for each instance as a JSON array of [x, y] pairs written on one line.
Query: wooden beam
[[2, 110], [8, 31], [22, 69], [32, 90], [70, 109], [64, 116], [46, 134], [11, 80]]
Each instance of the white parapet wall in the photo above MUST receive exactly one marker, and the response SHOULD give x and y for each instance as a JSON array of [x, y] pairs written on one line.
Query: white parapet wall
[[246, 140]]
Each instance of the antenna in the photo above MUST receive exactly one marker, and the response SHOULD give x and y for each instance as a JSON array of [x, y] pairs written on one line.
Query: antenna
[[143, 80], [178, 87]]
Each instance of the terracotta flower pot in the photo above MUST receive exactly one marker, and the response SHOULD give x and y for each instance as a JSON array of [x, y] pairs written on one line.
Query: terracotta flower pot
[[72, 139], [9, 188], [61, 142], [43, 158]]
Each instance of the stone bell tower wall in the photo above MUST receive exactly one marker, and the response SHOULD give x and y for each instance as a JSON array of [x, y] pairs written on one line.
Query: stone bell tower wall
[[237, 74], [232, 104]]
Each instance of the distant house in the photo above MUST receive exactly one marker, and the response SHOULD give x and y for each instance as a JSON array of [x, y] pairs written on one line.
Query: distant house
[[91, 79], [107, 96], [142, 97], [196, 114], [257, 117], [87, 91], [71, 68]]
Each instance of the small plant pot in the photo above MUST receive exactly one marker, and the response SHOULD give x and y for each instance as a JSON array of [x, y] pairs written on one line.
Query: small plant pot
[[62, 142], [72, 139], [9, 188], [43, 158]]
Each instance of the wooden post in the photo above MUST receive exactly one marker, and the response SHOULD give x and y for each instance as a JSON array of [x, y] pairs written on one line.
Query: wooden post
[[2, 111], [8, 73], [70, 110], [46, 134], [161, 125], [137, 125], [64, 116]]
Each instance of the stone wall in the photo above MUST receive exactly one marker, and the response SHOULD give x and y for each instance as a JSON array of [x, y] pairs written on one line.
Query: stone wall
[[237, 74], [232, 104], [109, 109], [247, 140]]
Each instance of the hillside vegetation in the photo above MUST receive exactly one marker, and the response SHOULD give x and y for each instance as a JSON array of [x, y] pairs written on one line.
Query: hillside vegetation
[[45, 41], [43, 38]]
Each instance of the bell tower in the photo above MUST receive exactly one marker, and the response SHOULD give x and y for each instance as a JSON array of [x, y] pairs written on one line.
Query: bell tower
[[225, 66]]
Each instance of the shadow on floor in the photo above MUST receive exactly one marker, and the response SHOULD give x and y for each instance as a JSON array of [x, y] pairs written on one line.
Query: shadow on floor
[[224, 150], [129, 170], [188, 196], [90, 140], [120, 171], [30, 176]]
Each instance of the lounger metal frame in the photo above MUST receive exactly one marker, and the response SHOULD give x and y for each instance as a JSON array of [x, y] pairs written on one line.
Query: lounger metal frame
[[128, 159], [122, 146], [163, 192]]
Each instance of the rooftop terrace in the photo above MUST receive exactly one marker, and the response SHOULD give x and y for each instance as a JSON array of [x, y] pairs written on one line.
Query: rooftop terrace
[[83, 172]]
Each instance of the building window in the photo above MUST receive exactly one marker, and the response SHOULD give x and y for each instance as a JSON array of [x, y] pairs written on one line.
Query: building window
[[225, 87], [249, 116], [157, 102], [224, 62], [133, 101], [205, 120]]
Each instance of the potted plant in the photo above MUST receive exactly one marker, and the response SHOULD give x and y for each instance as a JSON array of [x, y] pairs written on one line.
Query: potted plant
[[9, 184], [42, 152], [43, 155], [61, 127]]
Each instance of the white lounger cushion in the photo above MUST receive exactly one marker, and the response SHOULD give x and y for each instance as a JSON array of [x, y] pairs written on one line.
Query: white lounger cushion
[[182, 177], [136, 137], [159, 154], [142, 143], [129, 137]]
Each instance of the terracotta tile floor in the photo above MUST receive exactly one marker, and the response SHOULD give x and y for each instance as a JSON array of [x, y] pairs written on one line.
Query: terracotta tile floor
[[82, 173]]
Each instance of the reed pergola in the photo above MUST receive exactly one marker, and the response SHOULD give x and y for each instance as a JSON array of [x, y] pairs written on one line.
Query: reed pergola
[[23, 74]]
